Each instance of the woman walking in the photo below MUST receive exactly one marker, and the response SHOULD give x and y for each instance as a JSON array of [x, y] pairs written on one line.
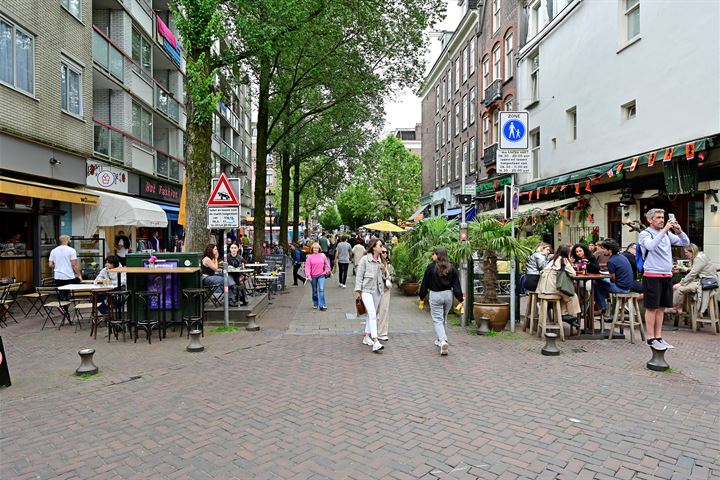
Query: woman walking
[[369, 285], [384, 307], [316, 267], [442, 280]]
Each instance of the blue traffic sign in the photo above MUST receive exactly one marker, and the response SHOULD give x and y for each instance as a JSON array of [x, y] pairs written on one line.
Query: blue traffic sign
[[514, 131]]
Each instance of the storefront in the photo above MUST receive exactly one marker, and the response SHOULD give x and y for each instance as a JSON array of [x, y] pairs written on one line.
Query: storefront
[[167, 196]]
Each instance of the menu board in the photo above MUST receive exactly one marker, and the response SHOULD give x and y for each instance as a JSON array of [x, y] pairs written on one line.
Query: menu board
[[276, 262]]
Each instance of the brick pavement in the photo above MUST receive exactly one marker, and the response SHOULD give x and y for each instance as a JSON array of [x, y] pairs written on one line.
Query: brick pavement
[[268, 405]]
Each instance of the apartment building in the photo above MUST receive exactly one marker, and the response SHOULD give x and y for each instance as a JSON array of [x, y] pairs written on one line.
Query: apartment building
[[449, 118], [620, 121], [411, 138]]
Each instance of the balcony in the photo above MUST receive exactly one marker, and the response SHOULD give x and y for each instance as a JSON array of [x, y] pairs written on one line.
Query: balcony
[[167, 167], [493, 92], [108, 57], [229, 116], [229, 153], [167, 104], [108, 143], [490, 154]]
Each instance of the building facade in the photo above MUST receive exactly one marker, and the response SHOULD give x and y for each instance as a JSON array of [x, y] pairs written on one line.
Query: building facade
[[411, 138]]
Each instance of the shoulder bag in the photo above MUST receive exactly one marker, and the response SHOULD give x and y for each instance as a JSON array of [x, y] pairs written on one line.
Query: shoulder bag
[[709, 283], [563, 282], [360, 306]]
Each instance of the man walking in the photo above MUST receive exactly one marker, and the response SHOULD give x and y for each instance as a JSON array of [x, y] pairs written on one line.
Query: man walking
[[342, 260], [656, 243], [63, 261]]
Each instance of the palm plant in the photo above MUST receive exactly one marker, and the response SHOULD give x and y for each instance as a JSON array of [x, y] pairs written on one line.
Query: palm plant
[[425, 236]]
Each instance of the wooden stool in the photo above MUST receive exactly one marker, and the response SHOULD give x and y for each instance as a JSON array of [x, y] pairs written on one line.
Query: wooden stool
[[531, 312], [634, 318], [543, 325], [712, 312]]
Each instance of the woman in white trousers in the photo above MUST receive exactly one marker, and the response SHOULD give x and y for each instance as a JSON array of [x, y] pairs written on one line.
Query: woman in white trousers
[[369, 285]]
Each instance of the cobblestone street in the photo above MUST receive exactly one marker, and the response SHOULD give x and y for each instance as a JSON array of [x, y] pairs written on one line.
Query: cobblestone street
[[304, 399]]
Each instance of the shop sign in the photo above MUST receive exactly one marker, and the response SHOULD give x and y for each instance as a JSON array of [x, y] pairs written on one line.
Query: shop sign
[[157, 190], [493, 184], [100, 175]]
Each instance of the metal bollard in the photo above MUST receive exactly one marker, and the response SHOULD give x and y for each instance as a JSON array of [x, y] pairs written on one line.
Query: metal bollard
[[482, 325], [550, 349], [657, 362], [86, 362], [252, 326], [194, 344]]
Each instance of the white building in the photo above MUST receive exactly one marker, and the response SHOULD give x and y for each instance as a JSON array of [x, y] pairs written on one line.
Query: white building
[[606, 82]]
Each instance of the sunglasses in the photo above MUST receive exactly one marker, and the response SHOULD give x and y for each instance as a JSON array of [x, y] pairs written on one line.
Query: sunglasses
[[385, 252]]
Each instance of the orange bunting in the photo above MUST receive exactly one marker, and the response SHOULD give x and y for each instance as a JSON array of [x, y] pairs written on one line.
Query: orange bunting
[[620, 167], [568, 214], [591, 218], [634, 163], [537, 193], [562, 188], [577, 189], [668, 155], [546, 190], [610, 173], [651, 158], [587, 187], [496, 183], [690, 151], [554, 188]]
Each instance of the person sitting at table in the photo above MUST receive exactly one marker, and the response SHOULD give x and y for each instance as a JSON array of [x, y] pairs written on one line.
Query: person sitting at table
[[629, 253], [548, 284], [235, 260], [583, 260], [621, 275], [210, 266], [535, 264], [701, 267], [106, 277]]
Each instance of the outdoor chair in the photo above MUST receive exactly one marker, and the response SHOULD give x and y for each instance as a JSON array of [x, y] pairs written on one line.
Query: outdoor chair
[[621, 300], [531, 312], [699, 319], [34, 298], [11, 301], [49, 298], [4, 307], [117, 318], [96, 317], [194, 313], [142, 310], [216, 300], [546, 300]]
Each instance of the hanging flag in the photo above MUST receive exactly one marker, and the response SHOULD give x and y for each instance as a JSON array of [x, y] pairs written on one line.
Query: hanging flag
[[547, 190], [591, 218], [554, 188], [562, 188], [533, 219], [537, 193], [668, 155], [587, 187], [530, 195], [181, 220], [651, 158], [634, 163], [690, 151], [610, 173], [496, 184], [620, 167], [568, 214], [561, 211], [577, 189]]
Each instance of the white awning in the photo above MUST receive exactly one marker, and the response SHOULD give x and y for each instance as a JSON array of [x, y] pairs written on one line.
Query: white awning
[[532, 206], [121, 210]]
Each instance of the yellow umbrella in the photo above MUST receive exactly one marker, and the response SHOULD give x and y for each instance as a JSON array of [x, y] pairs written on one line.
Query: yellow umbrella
[[384, 226]]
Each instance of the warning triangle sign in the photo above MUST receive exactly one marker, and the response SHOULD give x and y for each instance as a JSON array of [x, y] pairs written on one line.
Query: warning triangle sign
[[223, 195]]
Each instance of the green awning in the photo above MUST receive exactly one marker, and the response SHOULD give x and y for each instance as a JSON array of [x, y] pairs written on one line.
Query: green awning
[[599, 170]]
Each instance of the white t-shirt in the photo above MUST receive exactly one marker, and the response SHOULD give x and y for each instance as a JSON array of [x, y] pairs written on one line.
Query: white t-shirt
[[122, 249], [62, 256]]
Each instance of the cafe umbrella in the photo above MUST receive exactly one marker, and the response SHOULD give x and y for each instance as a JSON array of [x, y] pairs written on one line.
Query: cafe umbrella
[[384, 226]]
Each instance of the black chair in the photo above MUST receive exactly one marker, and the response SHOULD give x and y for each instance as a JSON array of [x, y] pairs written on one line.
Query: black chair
[[117, 317], [142, 310], [97, 317], [194, 311], [210, 291], [4, 306]]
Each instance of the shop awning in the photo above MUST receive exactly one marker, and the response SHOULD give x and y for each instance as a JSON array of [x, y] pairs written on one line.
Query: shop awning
[[171, 211], [451, 213], [550, 204], [24, 188], [470, 214], [121, 210], [420, 210]]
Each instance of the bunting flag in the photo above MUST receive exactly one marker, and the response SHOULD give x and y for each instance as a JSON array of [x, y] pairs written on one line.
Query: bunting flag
[[547, 189], [690, 151], [620, 167], [562, 188], [537, 193], [651, 158], [591, 218], [668, 155], [181, 220], [587, 187], [610, 173], [554, 188], [530, 195], [561, 211], [634, 163], [577, 189], [496, 184], [568, 214]]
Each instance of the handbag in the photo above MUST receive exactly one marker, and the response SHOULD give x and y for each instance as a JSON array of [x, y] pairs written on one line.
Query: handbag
[[563, 282], [360, 306], [709, 283], [388, 283]]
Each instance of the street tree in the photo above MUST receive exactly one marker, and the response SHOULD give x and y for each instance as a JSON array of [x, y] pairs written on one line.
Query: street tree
[[330, 218], [356, 205]]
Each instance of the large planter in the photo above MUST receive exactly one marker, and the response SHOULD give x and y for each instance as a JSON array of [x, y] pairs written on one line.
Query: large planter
[[410, 288], [497, 314]]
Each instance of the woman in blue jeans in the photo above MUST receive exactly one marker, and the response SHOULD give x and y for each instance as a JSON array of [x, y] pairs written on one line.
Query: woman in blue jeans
[[316, 267]]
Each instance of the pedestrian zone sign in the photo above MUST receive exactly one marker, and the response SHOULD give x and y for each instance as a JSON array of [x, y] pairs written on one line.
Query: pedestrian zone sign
[[513, 130], [223, 194]]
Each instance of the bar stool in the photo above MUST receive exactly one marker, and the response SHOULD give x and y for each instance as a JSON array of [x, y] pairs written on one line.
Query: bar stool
[[712, 311], [194, 311], [630, 300], [543, 325], [531, 312], [117, 318], [145, 301]]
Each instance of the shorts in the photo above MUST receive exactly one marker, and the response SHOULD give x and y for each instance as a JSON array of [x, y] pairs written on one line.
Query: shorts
[[658, 292]]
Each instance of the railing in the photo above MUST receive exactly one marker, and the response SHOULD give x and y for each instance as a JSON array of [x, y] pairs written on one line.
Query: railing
[[490, 154], [493, 92], [167, 104], [108, 57], [167, 167], [229, 116], [229, 153], [108, 143]]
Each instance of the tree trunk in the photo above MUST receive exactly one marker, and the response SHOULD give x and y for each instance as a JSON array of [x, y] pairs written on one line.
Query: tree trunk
[[199, 141], [261, 160], [296, 203], [490, 277], [284, 197]]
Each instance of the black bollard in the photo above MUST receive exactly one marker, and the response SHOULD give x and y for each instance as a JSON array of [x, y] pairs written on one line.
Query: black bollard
[[86, 362], [252, 326], [194, 344], [482, 325], [657, 362], [550, 349]]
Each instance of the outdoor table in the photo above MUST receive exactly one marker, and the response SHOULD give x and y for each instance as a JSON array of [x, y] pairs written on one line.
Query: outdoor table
[[268, 279], [88, 287], [162, 305], [587, 302]]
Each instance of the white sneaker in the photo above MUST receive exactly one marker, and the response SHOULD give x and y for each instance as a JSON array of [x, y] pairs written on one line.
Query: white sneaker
[[443, 348], [367, 341], [667, 345], [384, 338], [437, 342], [377, 346], [657, 345]]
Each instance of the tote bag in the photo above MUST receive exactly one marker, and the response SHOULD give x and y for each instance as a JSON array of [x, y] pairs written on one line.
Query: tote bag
[[563, 282]]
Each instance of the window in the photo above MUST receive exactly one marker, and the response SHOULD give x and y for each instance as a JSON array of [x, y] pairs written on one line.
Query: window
[[571, 115], [17, 57], [496, 15], [449, 84], [534, 78], [632, 19], [486, 130], [463, 167], [444, 83], [457, 74], [496, 121], [437, 173], [142, 51], [472, 105], [457, 164], [71, 89], [473, 156], [535, 152], [465, 64], [443, 170], [629, 110], [471, 58], [437, 98], [141, 123], [497, 63], [465, 112], [509, 104], [486, 72], [449, 127], [509, 59], [442, 131], [72, 6], [457, 119], [535, 21], [437, 136]]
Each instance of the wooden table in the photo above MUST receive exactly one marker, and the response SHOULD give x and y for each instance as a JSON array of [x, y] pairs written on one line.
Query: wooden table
[[88, 287], [587, 302]]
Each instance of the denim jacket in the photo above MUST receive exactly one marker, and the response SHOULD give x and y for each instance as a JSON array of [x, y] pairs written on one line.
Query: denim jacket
[[369, 278]]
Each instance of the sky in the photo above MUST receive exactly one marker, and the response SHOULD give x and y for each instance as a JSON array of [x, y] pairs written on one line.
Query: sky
[[404, 111]]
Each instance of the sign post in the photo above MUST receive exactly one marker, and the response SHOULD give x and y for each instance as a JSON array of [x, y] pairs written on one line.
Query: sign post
[[224, 212], [513, 156]]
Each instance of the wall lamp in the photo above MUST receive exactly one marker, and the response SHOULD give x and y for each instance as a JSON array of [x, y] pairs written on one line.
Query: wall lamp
[[54, 161]]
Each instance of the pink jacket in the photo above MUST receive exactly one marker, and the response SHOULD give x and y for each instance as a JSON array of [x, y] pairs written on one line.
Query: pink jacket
[[316, 265]]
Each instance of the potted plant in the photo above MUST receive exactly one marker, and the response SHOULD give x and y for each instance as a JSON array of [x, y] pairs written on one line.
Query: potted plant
[[407, 279], [491, 238]]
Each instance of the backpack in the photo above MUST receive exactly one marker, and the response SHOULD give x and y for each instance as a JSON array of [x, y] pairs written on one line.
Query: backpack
[[331, 251], [303, 256], [639, 258]]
